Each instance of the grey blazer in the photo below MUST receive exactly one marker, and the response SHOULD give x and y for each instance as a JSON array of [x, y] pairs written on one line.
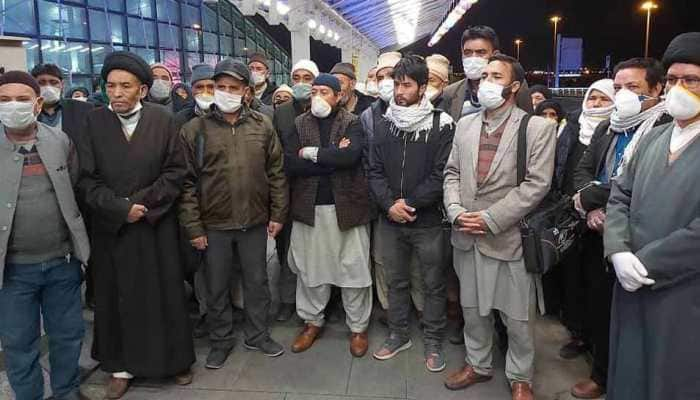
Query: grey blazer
[[504, 202], [54, 148]]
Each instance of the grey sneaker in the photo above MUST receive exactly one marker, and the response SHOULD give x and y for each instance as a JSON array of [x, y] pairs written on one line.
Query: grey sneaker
[[268, 347], [434, 358], [392, 346], [217, 358]]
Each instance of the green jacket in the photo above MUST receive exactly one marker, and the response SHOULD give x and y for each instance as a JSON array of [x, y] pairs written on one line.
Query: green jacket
[[242, 177]]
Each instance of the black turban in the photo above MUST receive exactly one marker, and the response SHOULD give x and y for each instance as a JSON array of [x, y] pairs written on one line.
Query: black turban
[[129, 62], [684, 48]]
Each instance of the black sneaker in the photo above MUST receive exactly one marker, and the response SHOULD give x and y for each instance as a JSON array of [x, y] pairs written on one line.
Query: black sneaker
[[286, 312], [268, 347], [217, 358]]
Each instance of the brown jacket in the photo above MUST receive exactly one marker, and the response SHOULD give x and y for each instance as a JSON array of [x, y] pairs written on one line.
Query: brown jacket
[[347, 175], [242, 176]]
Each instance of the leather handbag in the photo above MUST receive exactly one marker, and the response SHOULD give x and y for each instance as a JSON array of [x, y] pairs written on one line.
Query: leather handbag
[[551, 229]]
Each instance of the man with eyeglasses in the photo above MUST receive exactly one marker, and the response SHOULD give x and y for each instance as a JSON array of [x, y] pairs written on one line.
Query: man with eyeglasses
[[651, 238], [638, 108]]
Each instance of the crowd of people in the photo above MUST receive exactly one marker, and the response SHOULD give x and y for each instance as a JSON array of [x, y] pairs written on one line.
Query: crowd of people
[[408, 193]]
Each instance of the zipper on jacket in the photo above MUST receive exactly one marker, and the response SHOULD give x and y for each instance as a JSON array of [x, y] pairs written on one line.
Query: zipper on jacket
[[403, 162]]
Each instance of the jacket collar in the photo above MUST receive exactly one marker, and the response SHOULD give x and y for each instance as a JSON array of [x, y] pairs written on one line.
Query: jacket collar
[[246, 113], [41, 133]]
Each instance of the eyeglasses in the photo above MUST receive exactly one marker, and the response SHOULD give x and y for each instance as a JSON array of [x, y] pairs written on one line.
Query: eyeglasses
[[691, 82]]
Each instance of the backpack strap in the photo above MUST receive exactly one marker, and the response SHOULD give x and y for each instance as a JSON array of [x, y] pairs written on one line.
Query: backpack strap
[[522, 148], [436, 122]]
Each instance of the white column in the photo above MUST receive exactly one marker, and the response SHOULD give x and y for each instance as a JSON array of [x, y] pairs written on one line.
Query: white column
[[299, 29], [346, 53], [248, 7]]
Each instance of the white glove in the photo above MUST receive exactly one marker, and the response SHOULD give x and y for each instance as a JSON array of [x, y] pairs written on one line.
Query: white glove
[[310, 153], [630, 271]]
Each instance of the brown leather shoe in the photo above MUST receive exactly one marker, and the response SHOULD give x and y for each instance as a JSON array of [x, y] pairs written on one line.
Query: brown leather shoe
[[522, 391], [117, 387], [358, 344], [306, 338], [587, 389], [185, 378], [464, 378]]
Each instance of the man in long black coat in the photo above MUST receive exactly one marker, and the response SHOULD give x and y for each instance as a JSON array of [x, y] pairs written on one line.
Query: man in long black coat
[[132, 169]]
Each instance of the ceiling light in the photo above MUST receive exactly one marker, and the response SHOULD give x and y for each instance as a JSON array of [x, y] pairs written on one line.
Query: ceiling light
[[451, 20], [322, 29], [282, 9], [312, 24]]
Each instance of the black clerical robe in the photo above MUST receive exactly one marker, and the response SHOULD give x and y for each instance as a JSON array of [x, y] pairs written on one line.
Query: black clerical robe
[[654, 212], [141, 321]]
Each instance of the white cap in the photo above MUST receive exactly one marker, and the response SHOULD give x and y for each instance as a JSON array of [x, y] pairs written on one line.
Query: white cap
[[388, 60], [306, 65], [439, 65]]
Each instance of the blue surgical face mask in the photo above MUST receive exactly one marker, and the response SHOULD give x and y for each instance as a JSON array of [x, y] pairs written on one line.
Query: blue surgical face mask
[[301, 91]]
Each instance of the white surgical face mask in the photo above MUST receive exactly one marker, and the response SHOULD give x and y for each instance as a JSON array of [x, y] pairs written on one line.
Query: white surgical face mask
[[50, 94], [83, 99], [301, 91], [161, 89], [386, 89], [226, 102], [474, 67], [627, 103], [17, 114], [491, 95], [258, 78], [204, 101], [682, 104], [320, 107], [372, 89], [431, 92]]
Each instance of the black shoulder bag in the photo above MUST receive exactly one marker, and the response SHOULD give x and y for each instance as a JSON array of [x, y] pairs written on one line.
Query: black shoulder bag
[[550, 230]]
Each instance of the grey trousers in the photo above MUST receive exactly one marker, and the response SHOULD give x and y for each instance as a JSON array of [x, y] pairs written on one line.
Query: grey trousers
[[478, 340], [251, 245], [398, 243], [357, 302]]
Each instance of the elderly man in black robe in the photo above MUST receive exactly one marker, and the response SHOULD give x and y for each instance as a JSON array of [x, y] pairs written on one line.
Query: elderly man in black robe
[[132, 169], [652, 237]]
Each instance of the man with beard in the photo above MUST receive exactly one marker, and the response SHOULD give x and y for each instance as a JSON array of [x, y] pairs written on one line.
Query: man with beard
[[409, 150], [485, 204], [131, 173], [329, 244], [651, 238], [353, 101]]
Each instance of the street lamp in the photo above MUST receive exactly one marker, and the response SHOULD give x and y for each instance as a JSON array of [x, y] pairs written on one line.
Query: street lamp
[[555, 19], [648, 7], [518, 42]]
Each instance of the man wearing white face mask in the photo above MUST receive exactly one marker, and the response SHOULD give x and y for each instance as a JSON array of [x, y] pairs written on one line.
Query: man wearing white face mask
[[385, 91], [234, 198], [67, 115], [303, 74], [438, 79], [485, 205], [260, 78], [330, 208], [161, 90], [479, 43], [203, 92], [651, 238], [43, 241], [371, 88]]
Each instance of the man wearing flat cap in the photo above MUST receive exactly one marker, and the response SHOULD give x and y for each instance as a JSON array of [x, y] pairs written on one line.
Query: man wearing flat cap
[[330, 208], [235, 195], [264, 88], [651, 238], [352, 99], [131, 172]]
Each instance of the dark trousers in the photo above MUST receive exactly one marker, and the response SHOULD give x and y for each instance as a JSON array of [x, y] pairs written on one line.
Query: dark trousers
[[287, 284], [598, 282], [251, 245], [399, 243], [31, 291], [573, 293]]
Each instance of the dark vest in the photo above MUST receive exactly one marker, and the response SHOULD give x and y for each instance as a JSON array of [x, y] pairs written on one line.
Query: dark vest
[[350, 188]]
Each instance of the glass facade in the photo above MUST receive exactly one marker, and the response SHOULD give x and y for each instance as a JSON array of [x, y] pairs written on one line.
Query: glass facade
[[78, 34]]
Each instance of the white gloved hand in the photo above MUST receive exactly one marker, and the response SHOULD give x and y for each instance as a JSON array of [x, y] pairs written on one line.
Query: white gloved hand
[[630, 271], [309, 153]]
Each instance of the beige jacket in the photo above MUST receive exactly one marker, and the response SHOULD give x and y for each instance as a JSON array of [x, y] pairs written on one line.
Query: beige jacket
[[504, 202]]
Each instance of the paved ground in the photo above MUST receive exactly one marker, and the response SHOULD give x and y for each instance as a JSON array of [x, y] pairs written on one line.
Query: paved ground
[[329, 372]]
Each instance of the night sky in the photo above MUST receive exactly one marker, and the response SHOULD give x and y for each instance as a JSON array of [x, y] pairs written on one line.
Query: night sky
[[614, 27]]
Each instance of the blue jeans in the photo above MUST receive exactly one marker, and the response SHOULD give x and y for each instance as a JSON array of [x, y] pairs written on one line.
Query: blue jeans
[[50, 289]]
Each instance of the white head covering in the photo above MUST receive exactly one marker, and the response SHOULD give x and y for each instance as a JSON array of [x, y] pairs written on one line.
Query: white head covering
[[306, 65], [439, 65], [591, 117], [283, 88], [388, 60]]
